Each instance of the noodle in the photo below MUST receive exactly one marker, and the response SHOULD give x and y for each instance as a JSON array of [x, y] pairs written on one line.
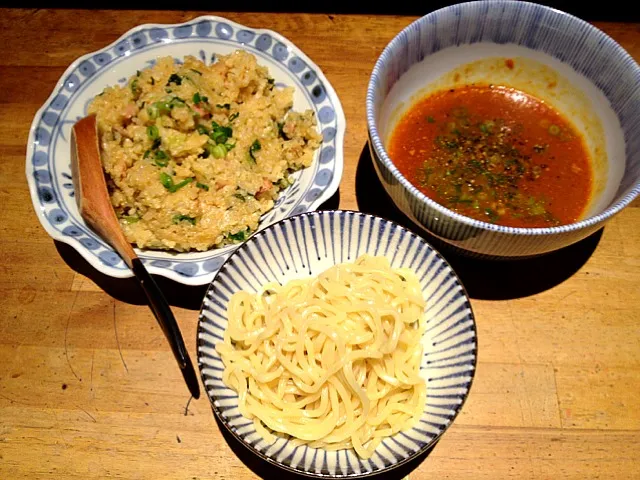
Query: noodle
[[332, 361]]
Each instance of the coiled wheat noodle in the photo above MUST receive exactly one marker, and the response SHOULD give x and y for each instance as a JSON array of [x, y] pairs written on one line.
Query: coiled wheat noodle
[[331, 361]]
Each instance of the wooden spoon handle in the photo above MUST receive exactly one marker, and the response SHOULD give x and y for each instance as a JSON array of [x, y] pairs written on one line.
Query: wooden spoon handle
[[167, 321], [95, 207], [91, 192]]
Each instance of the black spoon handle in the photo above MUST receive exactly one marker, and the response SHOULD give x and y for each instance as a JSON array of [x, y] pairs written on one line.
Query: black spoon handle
[[167, 321]]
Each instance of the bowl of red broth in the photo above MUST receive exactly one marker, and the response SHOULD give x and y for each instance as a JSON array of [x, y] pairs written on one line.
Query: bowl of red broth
[[506, 128]]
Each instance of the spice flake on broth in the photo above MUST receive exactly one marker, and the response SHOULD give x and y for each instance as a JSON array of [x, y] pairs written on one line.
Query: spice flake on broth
[[495, 154]]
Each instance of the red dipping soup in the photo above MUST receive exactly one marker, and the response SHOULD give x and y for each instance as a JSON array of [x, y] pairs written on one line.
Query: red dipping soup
[[495, 154]]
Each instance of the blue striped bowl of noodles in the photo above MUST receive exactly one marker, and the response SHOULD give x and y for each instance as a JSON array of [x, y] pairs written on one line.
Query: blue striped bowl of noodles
[[273, 271]]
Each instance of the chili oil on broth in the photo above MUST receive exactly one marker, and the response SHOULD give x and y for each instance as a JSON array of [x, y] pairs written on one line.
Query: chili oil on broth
[[540, 75], [495, 154]]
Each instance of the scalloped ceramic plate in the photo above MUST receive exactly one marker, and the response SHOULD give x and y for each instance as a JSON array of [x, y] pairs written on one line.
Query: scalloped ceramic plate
[[306, 245], [49, 172]]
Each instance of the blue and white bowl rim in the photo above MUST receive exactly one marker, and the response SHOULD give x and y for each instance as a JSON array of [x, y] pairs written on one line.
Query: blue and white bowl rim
[[221, 418], [374, 136]]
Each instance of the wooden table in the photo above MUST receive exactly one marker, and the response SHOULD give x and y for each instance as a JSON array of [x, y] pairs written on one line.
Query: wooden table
[[88, 386]]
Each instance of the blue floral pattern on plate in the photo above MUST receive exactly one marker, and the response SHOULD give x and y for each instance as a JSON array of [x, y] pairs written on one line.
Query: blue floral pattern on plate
[[47, 164]]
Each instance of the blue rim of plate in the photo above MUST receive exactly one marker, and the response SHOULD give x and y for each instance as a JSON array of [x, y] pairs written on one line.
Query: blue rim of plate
[[541, 12], [52, 190], [394, 227]]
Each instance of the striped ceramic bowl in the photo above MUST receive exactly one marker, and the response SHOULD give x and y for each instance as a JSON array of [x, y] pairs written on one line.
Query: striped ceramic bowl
[[303, 246], [595, 67]]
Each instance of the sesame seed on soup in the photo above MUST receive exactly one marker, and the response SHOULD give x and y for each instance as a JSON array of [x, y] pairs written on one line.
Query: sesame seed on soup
[[495, 154]]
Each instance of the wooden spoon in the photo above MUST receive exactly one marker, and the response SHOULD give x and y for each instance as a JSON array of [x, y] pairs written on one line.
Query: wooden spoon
[[95, 207]]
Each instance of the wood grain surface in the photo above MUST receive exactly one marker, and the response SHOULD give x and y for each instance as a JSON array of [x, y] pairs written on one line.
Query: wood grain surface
[[88, 385]]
